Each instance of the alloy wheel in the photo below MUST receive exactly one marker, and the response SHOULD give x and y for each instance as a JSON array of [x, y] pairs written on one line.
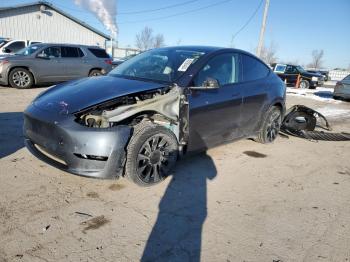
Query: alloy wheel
[[21, 78], [273, 126], [155, 159]]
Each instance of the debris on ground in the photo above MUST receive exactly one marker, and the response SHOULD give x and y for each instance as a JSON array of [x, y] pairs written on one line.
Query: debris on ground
[[83, 214], [94, 223], [46, 228], [301, 121]]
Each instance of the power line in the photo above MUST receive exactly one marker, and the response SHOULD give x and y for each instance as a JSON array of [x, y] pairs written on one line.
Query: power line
[[177, 14], [248, 21], [157, 9], [136, 12]]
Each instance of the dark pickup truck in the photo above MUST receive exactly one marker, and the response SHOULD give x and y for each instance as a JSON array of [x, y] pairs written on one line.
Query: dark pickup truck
[[290, 74]]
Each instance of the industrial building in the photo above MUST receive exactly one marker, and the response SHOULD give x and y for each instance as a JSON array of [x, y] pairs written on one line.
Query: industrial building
[[44, 22]]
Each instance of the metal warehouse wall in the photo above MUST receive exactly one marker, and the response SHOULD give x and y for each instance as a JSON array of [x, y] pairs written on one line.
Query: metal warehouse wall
[[29, 23]]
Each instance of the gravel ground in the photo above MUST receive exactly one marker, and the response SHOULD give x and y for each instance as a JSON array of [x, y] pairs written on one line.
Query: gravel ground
[[288, 201]]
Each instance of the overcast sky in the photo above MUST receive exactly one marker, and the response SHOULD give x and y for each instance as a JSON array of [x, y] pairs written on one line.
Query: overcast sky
[[296, 27]]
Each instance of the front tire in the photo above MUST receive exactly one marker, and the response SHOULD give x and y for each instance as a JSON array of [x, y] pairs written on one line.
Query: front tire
[[304, 84], [21, 78], [271, 126], [151, 154]]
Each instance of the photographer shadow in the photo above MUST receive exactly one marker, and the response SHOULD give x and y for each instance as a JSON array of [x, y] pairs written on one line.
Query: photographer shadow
[[11, 137], [177, 233]]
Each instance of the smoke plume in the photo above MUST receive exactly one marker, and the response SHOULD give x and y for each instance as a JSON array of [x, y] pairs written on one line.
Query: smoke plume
[[105, 10]]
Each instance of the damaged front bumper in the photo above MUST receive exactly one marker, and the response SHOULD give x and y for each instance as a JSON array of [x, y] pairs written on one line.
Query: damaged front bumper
[[65, 144]]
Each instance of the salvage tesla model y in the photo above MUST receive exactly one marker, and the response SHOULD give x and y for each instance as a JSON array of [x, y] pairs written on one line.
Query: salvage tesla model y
[[163, 103]]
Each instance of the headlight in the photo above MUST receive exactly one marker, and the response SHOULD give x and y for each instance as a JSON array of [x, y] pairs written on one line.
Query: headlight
[[314, 78]]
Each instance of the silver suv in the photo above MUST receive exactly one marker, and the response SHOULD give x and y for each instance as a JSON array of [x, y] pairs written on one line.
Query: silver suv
[[50, 63]]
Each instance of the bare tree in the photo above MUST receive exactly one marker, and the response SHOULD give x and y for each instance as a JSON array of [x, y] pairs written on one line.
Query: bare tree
[[158, 41], [146, 40], [268, 53], [317, 56]]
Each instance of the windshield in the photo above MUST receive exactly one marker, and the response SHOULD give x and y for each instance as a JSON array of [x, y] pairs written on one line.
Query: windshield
[[300, 69], [159, 65], [28, 50]]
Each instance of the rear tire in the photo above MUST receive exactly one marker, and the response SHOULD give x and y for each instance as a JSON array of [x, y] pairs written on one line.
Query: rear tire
[[304, 84], [95, 72], [21, 78], [151, 154], [271, 126]]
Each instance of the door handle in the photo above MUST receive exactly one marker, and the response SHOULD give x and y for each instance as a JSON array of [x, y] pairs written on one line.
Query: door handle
[[235, 94]]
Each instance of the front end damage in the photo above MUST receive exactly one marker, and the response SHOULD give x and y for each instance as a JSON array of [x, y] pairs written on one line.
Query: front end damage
[[92, 142]]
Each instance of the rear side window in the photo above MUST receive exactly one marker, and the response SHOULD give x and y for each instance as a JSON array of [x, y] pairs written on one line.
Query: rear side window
[[71, 52], [253, 69], [100, 53], [222, 67]]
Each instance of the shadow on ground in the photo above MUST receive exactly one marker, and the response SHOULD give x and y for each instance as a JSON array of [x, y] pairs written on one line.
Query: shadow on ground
[[324, 94], [177, 233], [11, 137]]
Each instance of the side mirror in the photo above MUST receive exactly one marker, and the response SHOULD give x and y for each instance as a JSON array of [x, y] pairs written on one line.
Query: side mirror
[[43, 56], [209, 83], [7, 50]]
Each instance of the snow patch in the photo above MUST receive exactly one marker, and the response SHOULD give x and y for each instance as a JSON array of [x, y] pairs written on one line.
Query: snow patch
[[333, 112]]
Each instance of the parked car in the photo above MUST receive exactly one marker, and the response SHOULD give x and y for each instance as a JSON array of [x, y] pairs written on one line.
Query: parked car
[[50, 63], [10, 47], [289, 74], [342, 89], [118, 61], [324, 73], [163, 103]]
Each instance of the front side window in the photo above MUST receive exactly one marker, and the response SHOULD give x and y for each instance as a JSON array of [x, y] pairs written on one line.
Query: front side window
[[51, 52], [16, 46], [253, 69], [300, 69], [28, 50], [70, 52], [160, 65], [222, 67]]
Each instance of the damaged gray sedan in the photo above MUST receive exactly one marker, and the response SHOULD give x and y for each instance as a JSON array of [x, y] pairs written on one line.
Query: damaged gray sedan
[[164, 103]]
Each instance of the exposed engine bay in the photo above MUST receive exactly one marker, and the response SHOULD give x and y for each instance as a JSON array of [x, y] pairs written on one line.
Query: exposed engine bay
[[162, 106]]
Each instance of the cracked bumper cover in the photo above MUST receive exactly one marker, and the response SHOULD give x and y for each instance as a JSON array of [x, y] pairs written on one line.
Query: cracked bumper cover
[[67, 145]]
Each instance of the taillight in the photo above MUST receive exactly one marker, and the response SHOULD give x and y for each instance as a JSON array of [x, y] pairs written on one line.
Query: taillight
[[108, 61], [4, 61]]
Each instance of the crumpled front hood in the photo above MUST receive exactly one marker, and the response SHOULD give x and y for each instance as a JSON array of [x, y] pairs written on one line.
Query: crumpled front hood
[[76, 95]]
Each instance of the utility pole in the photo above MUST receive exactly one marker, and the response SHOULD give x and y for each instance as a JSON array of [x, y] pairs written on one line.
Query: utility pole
[[262, 30]]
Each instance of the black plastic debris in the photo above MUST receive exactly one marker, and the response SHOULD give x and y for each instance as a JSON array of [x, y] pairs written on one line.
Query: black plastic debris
[[301, 121]]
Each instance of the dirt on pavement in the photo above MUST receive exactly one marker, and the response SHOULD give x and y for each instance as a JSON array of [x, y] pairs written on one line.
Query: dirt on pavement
[[244, 201]]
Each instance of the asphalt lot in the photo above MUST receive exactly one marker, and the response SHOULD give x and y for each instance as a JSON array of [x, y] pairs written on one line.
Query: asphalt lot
[[288, 201]]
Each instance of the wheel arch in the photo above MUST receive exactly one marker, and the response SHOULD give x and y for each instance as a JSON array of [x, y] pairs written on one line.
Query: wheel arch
[[95, 68]]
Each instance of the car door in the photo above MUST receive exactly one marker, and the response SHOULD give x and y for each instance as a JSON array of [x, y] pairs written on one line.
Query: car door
[[73, 60], [255, 87], [214, 114], [291, 74], [47, 65]]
